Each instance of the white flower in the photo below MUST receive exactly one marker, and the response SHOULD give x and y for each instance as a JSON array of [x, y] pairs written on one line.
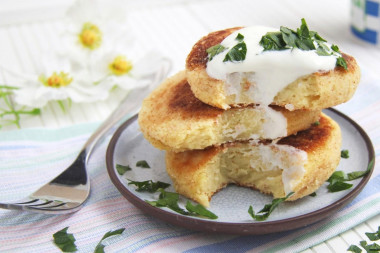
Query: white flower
[[92, 25], [123, 68], [55, 80]]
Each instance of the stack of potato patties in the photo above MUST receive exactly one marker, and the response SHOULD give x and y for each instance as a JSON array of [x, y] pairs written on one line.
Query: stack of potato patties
[[215, 135]]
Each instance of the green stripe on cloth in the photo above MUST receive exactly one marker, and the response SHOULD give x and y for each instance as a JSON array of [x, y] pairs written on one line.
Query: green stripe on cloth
[[48, 135]]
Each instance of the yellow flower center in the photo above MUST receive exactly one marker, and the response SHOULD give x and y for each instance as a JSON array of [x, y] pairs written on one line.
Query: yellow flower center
[[90, 36], [56, 80], [120, 66]]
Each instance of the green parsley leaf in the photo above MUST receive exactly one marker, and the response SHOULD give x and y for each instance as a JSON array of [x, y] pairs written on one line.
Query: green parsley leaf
[[65, 241], [344, 153], [215, 50], [338, 186], [100, 247], [200, 210], [289, 36], [268, 208], [148, 185], [239, 37], [354, 248], [169, 200], [374, 236], [236, 53], [317, 123], [321, 51], [143, 164], [313, 194], [335, 48], [273, 41], [303, 39], [338, 178], [121, 169], [341, 62], [370, 247]]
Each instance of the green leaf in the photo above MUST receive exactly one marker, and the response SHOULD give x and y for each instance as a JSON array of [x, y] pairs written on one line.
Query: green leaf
[[200, 210], [239, 37], [373, 236], [112, 233], [370, 247], [143, 164], [100, 247], [65, 241], [337, 176], [341, 62], [121, 169], [289, 36], [169, 200], [354, 248], [303, 39], [264, 213], [272, 41], [237, 53], [344, 153], [338, 186], [148, 186], [335, 48], [303, 31], [313, 194], [215, 50], [321, 51]]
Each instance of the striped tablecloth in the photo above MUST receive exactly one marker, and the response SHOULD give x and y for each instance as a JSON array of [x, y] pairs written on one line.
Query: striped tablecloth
[[31, 157]]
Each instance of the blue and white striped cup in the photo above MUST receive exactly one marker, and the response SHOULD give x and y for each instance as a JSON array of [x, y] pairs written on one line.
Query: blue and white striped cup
[[365, 20]]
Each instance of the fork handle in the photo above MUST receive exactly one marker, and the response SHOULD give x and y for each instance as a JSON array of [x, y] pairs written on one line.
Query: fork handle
[[130, 105]]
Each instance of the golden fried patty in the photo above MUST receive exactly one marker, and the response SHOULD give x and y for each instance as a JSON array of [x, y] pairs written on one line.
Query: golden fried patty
[[299, 163], [172, 118], [315, 91]]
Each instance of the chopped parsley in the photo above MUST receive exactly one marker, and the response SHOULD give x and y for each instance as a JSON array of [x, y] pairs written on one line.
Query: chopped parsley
[[374, 236], [100, 246], [314, 194], [121, 169], [65, 241], [303, 39], [317, 123], [235, 54], [344, 153], [354, 248], [264, 213], [148, 185], [170, 200], [337, 181], [199, 210], [238, 52], [215, 50], [143, 164]]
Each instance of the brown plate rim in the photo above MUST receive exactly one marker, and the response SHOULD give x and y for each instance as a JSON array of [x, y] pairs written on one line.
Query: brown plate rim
[[243, 228]]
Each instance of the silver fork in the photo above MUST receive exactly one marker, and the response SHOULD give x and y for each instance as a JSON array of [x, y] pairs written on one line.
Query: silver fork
[[68, 191]]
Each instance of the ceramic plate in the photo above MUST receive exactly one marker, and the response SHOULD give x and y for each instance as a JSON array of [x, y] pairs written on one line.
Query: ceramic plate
[[231, 203]]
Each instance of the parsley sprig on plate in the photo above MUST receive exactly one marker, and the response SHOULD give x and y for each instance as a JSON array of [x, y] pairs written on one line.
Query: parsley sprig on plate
[[264, 213], [337, 181]]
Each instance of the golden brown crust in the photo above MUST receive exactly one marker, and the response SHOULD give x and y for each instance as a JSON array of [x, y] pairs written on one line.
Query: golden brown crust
[[193, 171], [319, 90], [311, 139], [172, 118], [198, 56]]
